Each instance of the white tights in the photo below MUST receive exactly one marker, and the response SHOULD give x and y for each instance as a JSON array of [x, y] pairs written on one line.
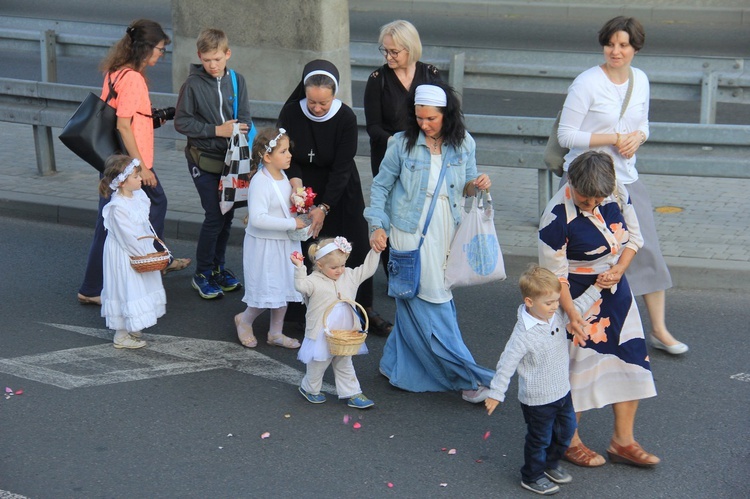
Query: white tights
[[277, 318]]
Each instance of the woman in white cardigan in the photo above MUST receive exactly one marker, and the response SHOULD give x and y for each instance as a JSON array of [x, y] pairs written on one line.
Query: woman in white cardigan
[[592, 119]]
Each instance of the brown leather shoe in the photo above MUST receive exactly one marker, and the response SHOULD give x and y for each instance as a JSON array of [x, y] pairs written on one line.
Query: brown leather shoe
[[632, 454], [580, 455]]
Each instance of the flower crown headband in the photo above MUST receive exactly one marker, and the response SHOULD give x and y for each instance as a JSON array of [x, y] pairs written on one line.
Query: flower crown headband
[[274, 141], [340, 243], [125, 174]]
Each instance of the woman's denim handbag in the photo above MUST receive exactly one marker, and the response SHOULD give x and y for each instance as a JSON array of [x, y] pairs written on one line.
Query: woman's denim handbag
[[404, 269]]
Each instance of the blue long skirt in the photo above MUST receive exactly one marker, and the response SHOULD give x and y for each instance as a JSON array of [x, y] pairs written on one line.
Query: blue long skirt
[[426, 353]]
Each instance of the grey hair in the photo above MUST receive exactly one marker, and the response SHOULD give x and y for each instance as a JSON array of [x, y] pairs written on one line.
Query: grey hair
[[592, 174]]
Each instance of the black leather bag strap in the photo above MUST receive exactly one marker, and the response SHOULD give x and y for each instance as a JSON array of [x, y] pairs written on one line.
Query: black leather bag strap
[[111, 84]]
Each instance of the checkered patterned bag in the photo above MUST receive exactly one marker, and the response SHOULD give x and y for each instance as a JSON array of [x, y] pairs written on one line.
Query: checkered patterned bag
[[235, 179]]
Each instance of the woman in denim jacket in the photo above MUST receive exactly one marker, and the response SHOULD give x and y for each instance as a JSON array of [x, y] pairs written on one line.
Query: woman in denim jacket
[[425, 351]]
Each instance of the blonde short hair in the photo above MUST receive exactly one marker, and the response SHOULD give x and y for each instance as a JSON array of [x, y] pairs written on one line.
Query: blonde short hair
[[404, 34], [538, 281], [336, 257], [211, 39]]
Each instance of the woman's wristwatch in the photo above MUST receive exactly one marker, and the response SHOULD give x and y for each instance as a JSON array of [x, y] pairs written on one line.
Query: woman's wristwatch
[[324, 208]]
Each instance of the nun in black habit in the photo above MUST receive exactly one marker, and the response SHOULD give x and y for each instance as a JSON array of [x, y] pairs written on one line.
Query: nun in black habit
[[324, 133]]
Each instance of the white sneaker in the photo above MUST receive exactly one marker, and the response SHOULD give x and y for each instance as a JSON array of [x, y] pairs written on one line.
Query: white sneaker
[[476, 396], [129, 342]]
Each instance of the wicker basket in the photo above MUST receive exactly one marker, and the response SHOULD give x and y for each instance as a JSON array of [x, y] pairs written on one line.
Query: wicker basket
[[152, 262], [345, 341]]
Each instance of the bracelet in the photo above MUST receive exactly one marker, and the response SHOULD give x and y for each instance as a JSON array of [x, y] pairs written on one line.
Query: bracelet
[[618, 139], [324, 208], [373, 229]]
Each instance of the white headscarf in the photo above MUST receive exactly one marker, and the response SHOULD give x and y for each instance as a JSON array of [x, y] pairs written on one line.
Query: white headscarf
[[430, 95]]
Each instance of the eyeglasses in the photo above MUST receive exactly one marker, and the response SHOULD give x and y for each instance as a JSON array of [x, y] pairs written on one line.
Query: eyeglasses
[[392, 53], [163, 50]]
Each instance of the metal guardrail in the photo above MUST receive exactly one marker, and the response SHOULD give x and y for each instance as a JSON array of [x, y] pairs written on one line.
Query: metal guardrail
[[506, 141], [710, 80]]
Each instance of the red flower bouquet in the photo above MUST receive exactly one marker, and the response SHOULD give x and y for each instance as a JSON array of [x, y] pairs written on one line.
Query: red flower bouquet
[[302, 200]]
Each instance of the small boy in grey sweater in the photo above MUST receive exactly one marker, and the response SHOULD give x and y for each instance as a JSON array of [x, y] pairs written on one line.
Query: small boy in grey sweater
[[538, 350]]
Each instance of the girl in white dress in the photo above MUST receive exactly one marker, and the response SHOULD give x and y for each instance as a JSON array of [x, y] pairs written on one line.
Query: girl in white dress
[[131, 301], [269, 275]]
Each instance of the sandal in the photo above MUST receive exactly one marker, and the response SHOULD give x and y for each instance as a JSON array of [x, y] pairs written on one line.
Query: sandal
[[245, 332], [580, 455], [378, 325], [89, 300], [177, 264], [283, 341], [632, 454]]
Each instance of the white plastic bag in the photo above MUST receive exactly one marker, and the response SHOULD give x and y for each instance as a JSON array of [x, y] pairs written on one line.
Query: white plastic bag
[[475, 256], [235, 179]]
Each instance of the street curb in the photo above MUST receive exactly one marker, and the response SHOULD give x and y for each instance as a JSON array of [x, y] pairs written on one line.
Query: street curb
[[576, 11], [687, 273]]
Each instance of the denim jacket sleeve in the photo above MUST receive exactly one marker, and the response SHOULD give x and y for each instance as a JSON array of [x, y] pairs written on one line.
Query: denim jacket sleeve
[[377, 214], [470, 146]]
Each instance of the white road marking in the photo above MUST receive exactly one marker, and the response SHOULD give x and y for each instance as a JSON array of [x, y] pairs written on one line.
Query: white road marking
[[4, 494], [163, 356], [741, 377]]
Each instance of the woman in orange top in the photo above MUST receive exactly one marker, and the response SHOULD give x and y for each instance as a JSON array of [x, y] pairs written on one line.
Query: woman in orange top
[[124, 67]]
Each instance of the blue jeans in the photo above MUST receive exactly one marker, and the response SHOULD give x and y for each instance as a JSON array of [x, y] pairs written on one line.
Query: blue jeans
[[214, 235], [549, 429], [93, 279]]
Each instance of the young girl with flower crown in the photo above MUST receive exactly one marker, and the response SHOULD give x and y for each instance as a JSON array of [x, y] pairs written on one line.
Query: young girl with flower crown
[[330, 281], [131, 301], [269, 277]]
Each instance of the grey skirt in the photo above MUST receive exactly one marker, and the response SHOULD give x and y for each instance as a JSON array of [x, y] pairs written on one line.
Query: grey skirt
[[648, 271]]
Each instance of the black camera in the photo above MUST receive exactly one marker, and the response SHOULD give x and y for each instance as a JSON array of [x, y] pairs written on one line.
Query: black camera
[[160, 115]]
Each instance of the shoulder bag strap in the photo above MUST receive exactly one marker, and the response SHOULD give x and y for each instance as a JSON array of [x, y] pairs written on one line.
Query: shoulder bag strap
[[278, 193], [631, 78], [435, 196], [111, 84], [235, 103]]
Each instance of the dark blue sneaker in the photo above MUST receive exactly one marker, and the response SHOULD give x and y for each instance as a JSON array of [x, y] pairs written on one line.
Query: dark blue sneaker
[[541, 486], [558, 475], [360, 402], [206, 287], [316, 398], [225, 279]]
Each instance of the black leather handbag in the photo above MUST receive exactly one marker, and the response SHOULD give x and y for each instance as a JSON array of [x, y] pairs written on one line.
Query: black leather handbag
[[91, 133]]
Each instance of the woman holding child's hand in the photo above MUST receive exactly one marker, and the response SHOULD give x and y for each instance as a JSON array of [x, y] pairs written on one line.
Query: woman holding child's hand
[[586, 239], [425, 352]]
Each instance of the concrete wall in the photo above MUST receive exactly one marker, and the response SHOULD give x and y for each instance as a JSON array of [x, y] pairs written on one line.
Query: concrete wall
[[271, 41]]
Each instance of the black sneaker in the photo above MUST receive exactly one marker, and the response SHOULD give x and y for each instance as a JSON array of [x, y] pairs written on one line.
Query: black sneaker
[[558, 475], [541, 486], [225, 279]]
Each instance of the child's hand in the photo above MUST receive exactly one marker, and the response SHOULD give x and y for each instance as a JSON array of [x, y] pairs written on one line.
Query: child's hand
[[297, 258], [225, 129], [491, 404]]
